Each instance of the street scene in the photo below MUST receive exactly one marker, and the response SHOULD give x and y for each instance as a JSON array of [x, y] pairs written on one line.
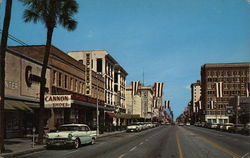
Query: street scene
[[124, 79], [164, 141]]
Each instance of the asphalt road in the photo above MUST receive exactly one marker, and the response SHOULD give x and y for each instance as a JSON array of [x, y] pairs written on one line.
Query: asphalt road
[[164, 141]]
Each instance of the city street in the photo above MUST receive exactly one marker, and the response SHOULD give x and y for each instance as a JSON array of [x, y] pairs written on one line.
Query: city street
[[163, 141]]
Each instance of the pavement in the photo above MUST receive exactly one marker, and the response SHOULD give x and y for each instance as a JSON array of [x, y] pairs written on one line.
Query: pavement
[[22, 146]]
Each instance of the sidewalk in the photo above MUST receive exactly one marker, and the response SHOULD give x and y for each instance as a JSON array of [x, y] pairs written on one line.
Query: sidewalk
[[22, 146]]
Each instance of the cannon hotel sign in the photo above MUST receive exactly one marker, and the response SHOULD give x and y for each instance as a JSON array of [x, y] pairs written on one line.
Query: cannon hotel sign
[[88, 74]]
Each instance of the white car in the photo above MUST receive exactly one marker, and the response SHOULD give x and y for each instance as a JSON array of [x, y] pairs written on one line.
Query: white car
[[71, 135], [135, 127]]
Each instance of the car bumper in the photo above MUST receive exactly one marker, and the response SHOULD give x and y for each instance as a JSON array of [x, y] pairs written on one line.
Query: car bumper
[[60, 142]]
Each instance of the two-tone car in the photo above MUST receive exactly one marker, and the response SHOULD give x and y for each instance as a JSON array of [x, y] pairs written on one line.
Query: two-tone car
[[73, 135]]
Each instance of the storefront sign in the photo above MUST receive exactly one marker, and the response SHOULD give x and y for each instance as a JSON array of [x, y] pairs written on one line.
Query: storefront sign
[[57, 101], [88, 74]]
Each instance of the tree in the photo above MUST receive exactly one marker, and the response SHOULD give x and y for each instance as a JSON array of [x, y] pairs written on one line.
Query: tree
[[50, 13], [3, 48]]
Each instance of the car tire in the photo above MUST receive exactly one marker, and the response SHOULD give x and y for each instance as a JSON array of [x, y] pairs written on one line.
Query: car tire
[[92, 141], [77, 143]]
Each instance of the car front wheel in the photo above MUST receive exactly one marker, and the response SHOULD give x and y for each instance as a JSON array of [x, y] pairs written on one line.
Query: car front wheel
[[77, 144], [92, 141]]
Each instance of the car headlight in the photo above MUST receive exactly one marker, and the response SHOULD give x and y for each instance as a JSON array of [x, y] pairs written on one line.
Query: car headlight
[[70, 136]]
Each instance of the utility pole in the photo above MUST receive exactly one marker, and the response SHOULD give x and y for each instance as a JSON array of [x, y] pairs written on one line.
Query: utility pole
[[3, 49], [237, 115]]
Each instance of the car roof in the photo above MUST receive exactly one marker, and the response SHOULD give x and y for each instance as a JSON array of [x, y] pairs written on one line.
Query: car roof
[[74, 124]]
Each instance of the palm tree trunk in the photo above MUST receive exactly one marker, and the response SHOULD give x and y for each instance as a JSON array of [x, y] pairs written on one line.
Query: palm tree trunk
[[43, 84], [2, 69]]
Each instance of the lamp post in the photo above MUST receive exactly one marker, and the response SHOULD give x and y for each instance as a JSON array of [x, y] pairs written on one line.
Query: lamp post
[[97, 104]]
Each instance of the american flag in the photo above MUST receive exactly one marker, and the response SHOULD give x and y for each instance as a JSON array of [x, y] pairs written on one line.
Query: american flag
[[219, 89], [135, 87], [158, 89], [167, 102]]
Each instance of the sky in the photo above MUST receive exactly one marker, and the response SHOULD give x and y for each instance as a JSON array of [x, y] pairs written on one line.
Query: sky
[[166, 40]]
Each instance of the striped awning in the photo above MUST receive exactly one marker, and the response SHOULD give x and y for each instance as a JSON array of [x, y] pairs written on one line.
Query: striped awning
[[16, 105]]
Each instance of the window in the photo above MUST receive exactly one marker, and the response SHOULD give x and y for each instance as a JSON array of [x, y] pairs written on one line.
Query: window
[[71, 84], [80, 61], [99, 65], [76, 86], [65, 81], [60, 79], [54, 77]]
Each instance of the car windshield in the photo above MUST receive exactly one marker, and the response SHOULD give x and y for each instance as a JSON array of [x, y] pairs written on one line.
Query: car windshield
[[68, 128]]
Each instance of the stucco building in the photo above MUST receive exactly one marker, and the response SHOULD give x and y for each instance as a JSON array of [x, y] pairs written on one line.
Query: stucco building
[[114, 79]]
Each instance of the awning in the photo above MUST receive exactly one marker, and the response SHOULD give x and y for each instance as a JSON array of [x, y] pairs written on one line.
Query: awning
[[127, 116], [16, 105]]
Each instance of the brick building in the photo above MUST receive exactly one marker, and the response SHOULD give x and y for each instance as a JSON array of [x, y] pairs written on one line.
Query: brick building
[[234, 78], [65, 76]]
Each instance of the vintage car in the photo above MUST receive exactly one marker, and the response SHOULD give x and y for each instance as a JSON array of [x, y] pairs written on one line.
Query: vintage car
[[71, 135], [135, 127]]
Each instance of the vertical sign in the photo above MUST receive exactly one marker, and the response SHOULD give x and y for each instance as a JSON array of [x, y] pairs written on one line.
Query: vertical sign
[[88, 74]]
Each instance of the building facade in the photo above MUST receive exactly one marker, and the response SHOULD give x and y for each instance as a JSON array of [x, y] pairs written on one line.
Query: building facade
[[67, 76], [114, 79], [233, 77], [195, 98], [141, 104]]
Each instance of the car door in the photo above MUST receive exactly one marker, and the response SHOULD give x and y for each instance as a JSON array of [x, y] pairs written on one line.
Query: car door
[[82, 135]]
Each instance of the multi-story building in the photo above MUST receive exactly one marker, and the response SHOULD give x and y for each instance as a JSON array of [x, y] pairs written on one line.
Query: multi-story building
[[195, 98], [103, 63], [233, 77], [65, 76], [141, 104]]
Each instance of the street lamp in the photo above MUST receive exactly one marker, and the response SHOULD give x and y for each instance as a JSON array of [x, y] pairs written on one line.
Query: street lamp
[[97, 105]]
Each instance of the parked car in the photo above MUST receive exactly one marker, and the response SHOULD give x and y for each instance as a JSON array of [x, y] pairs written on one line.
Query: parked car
[[236, 128], [226, 126], [71, 135], [246, 129], [181, 124], [134, 127], [219, 126], [188, 124]]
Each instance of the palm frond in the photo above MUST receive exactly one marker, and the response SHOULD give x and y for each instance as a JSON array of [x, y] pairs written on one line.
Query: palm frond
[[29, 15]]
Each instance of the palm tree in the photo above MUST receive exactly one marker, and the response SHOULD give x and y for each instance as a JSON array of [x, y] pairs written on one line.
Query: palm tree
[[50, 13], [3, 48]]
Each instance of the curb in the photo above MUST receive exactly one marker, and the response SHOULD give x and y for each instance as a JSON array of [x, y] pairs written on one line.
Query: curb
[[109, 134], [14, 154]]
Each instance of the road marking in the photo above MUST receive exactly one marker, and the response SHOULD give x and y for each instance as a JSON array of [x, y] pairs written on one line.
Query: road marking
[[121, 156], [179, 146], [245, 155], [133, 149], [71, 152], [220, 147], [141, 143]]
